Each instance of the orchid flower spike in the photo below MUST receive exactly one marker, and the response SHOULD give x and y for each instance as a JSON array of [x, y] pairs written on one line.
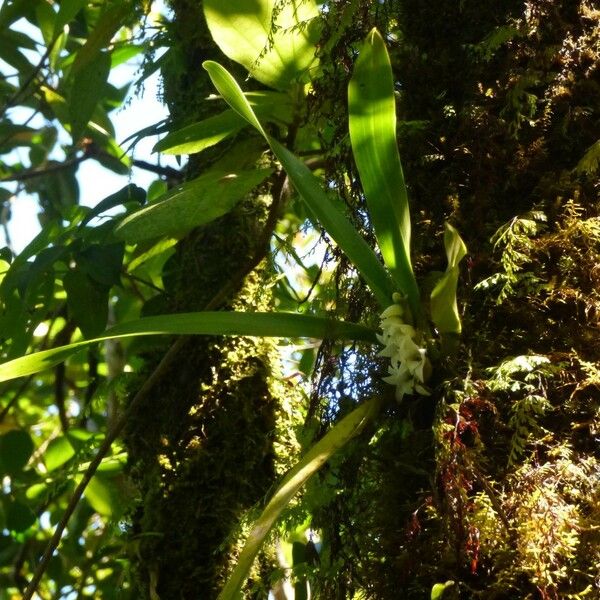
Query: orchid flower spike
[[402, 344]]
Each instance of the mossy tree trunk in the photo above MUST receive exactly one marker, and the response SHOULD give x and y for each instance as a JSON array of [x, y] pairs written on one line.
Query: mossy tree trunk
[[202, 452], [498, 491]]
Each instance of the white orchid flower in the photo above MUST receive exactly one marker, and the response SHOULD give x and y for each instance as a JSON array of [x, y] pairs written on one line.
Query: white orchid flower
[[401, 342]]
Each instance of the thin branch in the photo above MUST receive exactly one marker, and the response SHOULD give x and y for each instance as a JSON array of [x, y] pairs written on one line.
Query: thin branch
[[158, 169], [15, 398], [40, 172]]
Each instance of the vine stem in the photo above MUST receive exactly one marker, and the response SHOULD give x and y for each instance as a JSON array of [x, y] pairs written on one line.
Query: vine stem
[[261, 250]]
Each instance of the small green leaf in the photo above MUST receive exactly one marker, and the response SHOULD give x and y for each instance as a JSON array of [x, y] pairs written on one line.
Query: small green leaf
[[87, 301], [19, 517], [202, 323], [87, 89], [16, 448], [444, 309], [102, 495], [372, 114], [437, 591], [190, 204], [313, 460], [309, 188], [58, 452], [244, 34]]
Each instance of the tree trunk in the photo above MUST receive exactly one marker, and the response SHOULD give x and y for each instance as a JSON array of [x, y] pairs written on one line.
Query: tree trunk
[[202, 453]]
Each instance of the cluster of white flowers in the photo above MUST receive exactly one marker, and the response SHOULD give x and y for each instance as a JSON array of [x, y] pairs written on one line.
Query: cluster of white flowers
[[401, 343]]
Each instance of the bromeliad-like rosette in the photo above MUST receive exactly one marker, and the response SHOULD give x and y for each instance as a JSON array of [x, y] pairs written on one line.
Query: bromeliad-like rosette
[[403, 344]]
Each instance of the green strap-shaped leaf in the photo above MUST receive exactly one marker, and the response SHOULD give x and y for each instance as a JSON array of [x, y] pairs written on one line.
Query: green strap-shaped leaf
[[190, 204], [275, 51], [199, 136], [372, 113], [444, 310], [314, 459], [309, 187], [201, 323], [272, 106]]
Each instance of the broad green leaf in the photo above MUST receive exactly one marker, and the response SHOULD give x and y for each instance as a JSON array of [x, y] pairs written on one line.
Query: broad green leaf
[[272, 106], [276, 52], [372, 114], [201, 323], [58, 452], [87, 301], [190, 204], [309, 187], [16, 448], [314, 459], [444, 310], [87, 89]]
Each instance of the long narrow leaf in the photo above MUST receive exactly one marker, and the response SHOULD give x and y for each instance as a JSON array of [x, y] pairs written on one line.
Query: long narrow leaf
[[271, 106], [202, 323], [372, 113], [309, 186], [199, 136], [314, 459]]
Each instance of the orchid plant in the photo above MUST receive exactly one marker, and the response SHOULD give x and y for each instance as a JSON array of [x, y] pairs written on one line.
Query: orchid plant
[[404, 324]]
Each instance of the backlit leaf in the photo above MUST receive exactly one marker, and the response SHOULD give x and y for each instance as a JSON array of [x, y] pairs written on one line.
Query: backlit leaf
[[444, 309], [313, 460], [58, 452], [372, 114], [310, 189], [190, 204], [202, 323], [243, 29]]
